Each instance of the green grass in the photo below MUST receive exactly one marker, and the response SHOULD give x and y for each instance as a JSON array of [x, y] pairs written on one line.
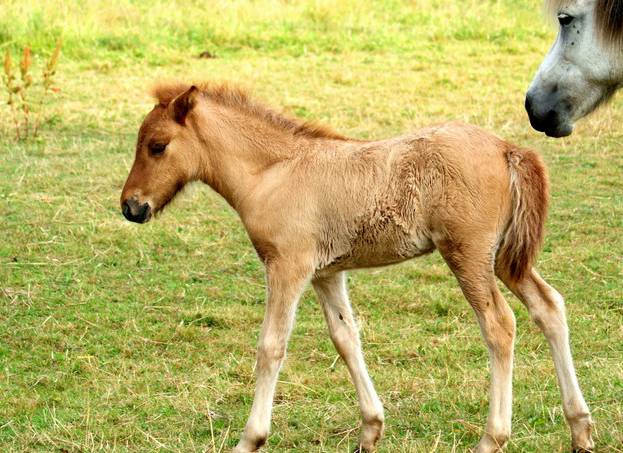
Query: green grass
[[118, 337]]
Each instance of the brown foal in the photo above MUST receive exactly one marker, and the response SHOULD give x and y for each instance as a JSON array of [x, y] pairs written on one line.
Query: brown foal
[[316, 204]]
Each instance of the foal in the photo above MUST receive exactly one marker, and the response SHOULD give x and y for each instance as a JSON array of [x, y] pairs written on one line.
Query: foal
[[315, 204]]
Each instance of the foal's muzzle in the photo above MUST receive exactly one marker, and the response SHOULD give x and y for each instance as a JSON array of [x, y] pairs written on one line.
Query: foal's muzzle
[[135, 212]]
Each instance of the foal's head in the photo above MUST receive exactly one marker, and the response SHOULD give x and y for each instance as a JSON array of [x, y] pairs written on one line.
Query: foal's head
[[166, 154]]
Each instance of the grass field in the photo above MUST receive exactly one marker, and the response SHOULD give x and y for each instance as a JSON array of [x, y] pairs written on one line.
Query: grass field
[[120, 337]]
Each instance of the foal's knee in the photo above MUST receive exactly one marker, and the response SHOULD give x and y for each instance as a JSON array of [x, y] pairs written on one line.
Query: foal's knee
[[270, 352], [499, 331], [549, 313], [344, 337]]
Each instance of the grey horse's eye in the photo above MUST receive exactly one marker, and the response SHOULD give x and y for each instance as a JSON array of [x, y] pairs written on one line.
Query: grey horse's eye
[[565, 19]]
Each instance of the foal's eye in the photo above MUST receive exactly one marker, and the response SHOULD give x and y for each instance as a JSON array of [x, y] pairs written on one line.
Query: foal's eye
[[565, 19], [157, 148]]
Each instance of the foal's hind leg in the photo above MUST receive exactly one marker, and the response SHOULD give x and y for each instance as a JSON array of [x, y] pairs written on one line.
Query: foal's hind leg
[[547, 309], [343, 330], [473, 267]]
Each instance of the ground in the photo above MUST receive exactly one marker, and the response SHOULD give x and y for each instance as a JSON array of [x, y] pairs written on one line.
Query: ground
[[123, 337]]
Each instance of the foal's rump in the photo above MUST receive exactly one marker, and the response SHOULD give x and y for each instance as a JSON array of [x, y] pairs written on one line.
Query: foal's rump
[[493, 193]]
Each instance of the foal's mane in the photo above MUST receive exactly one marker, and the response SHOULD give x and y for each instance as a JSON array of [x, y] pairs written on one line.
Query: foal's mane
[[236, 98], [608, 19]]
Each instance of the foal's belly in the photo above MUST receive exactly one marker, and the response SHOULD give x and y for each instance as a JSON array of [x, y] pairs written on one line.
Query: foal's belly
[[382, 252]]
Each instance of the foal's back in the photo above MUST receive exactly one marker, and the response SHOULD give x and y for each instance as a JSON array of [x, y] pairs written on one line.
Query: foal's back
[[385, 201]]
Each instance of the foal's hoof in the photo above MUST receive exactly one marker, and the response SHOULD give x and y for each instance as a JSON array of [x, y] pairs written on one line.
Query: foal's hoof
[[371, 432], [589, 449], [492, 444], [251, 445], [360, 449], [581, 434]]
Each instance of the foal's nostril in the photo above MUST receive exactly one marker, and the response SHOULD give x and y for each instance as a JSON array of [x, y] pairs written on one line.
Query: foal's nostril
[[135, 212], [125, 208]]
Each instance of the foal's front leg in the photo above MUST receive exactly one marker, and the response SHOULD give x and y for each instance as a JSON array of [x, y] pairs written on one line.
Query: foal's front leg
[[344, 333], [285, 283]]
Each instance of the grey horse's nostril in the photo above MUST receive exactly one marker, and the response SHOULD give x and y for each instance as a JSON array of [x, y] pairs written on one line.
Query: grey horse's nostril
[[551, 116], [543, 116], [528, 104], [534, 120]]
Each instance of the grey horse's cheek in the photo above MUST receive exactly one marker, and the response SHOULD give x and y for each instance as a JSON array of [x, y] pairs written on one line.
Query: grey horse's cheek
[[577, 75]]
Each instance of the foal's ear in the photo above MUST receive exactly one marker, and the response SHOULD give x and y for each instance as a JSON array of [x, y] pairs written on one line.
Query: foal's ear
[[184, 103]]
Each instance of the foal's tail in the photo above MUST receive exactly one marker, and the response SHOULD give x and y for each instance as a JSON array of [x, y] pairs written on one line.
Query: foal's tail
[[529, 187]]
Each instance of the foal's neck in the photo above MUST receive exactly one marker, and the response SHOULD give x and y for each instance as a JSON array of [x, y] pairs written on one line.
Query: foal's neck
[[239, 149]]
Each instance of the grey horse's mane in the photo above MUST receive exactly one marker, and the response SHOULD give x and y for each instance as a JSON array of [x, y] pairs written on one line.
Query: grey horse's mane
[[608, 19]]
